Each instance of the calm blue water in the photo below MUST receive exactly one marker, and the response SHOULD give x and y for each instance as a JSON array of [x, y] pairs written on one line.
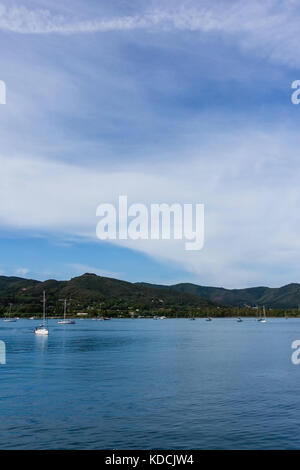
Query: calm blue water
[[145, 384]]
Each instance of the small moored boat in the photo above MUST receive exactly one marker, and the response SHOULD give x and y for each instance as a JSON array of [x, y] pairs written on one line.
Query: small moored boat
[[42, 330], [66, 321], [239, 320], [9, 318], [263, 319]]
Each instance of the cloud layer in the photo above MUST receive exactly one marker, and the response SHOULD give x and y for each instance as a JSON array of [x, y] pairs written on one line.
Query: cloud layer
[[268, 29], [247, 226], [188, 114], [209, 16]]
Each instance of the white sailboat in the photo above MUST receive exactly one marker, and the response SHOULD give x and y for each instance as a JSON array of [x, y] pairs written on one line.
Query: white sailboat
[[239, 320], [208, 318], [100, 318], [65, 321], [258, 317], [264, 319], [9, 319], [42, 330]]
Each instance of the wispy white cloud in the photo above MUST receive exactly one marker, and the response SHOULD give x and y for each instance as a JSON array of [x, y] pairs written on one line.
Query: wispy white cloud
[[269, 28], [22, 271], [105, 107], [251, 235], [22, 20]]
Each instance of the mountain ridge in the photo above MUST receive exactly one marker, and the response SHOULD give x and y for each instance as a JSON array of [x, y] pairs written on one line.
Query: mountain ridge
[[89, 290], [287, 296]]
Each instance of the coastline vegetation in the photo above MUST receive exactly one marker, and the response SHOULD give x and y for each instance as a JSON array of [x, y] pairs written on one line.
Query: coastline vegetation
[[94, 296]]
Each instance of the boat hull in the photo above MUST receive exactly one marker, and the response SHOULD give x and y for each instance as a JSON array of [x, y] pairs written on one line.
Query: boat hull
[[66, 322], [41, 331]]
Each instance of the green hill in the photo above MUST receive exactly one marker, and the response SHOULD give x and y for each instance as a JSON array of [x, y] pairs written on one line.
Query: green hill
[[283, 297], [88, 291]]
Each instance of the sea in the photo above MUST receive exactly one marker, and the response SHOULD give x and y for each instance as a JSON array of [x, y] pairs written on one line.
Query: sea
[[150, 384]]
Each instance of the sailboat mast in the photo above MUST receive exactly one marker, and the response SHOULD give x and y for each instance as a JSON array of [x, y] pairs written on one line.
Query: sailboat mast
[[44, 307]]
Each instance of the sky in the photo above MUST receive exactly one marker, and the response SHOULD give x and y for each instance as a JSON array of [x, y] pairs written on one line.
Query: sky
[[163, 101]]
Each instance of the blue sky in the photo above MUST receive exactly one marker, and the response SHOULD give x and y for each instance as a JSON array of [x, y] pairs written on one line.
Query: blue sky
[[164, 101]]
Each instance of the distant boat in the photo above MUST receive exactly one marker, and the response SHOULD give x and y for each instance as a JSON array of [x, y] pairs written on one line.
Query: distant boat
[[208, 319], [100, 318], [42, 330], [264, 319], [239, 320], [9, 319], [258, 317], [65, 321]]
